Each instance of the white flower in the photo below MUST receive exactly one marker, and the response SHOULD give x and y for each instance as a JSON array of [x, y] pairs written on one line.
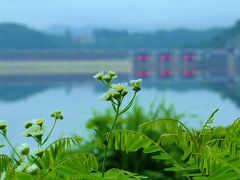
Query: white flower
[[38, 134], [119, 87], [23, 149], [106, 96], [36, 131], [29, 124], [39, 152], [3, 125], [22, 167], [99, 75], [33, 169], [34, 128], [114, 93]]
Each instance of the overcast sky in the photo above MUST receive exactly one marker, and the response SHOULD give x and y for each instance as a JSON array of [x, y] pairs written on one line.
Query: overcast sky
[[130, 14]]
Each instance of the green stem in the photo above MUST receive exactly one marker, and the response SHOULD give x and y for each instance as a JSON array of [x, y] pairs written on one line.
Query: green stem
[[129, 104], [50, 132], [104, 83], [11, 145], [106, 148]]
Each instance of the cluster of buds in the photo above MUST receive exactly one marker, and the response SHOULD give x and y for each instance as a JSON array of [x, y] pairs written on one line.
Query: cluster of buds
[[106, 77], [26, 167], [35, 129], [24, 150], [57, 115], [116, 91], [136, 84], [3, 127]]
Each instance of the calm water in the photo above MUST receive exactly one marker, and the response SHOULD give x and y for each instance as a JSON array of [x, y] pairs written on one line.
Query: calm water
[[22, 102]]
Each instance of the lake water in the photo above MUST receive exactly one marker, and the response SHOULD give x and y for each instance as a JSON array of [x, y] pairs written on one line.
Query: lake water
[[22, 102]]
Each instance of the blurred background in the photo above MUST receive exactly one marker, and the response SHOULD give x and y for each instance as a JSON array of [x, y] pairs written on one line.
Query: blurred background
[[186, 52]]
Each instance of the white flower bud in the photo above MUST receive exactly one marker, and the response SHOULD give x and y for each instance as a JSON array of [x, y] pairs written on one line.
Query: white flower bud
[[107, 96], [119, 87], [39, 152], [33, 169], [23, 149], [114, 93], [22, 167]]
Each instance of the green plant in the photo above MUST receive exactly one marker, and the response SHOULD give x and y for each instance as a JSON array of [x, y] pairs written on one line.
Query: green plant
[[52, 161], [201, 154], [38, 164], [135, 161], [115, 94]]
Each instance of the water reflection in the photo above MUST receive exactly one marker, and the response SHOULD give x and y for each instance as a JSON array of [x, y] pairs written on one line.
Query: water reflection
[[22, 102]]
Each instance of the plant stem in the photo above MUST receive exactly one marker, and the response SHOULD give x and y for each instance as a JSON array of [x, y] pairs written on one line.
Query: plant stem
[[106, 148], [129, 104], [11, 145], [50, 132]]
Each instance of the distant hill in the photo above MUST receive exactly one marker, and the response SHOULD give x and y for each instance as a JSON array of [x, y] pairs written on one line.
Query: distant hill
[[180, 38], [14, 36], [61, 30], [229, 38]]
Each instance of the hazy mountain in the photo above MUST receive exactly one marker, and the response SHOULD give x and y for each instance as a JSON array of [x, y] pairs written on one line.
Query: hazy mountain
[[61, 30], [15, 36], [229, 37]]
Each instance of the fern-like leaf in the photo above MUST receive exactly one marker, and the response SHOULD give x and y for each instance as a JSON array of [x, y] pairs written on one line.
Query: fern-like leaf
[[5, 163], [57, 147], [209, 164], [75, 165], [131, 141]]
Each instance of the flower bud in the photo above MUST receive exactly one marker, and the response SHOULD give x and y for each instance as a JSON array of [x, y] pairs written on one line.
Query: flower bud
[[39, 152], [112, 73], [27, 134], [115, 94], [125, 91], [33, 169], [107, 78], [23, 149], [3, 125], [136, 84], [119, 87], [99, 76], [22, 167], [28, 124], [57, 115], [39, 122], [107, 96]]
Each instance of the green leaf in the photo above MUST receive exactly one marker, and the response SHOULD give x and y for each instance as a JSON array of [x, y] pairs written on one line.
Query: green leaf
[[161, 157], [100, 134]]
